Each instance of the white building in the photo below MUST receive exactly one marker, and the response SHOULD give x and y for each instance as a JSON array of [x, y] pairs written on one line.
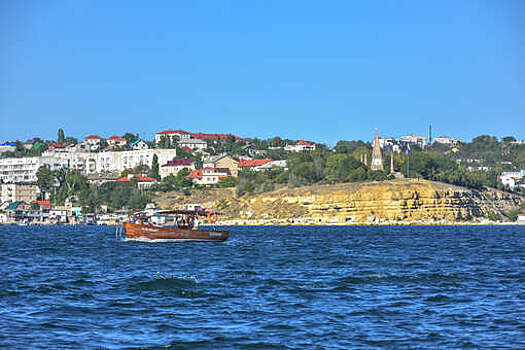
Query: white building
[[11, 192], [389, 144], [7, 147], [194, 144], [420, 141], [521, 218], [116, 141], [89, 163], [174, 135], [139, 144], [451, 141], [94, 142], [300, 146], [23, 170], [173, 167], [208, 176], [271, 165]]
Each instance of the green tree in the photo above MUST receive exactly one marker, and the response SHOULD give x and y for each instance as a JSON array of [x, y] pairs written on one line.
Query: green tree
[[154, 173], [229, 181], [130, 138], [164, 142], [45, 180]]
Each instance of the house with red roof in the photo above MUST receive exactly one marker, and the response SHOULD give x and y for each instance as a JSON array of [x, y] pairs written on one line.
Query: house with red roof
[[44, 205], [143, 181], [116, 141], [300, 146], [208, 176], [56, 147], [215, 137], [174, 166], [261, 164], [182, 136], [173, 135], [94, 142], [253, 163]]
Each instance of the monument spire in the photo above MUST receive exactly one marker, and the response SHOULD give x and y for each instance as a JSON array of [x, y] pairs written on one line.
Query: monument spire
[[377, 159]]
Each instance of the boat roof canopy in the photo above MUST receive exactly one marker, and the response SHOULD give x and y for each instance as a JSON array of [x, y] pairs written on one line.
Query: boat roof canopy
[[173, 212]]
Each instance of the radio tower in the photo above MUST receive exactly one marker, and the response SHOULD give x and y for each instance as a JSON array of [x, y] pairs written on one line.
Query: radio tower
[[430, 135]]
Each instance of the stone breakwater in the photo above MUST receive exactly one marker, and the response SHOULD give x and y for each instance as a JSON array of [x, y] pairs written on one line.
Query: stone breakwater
[[386, 202]]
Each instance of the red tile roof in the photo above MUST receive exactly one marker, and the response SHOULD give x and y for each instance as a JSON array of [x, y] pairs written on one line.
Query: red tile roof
[[55, 145], [179, 162], [166, 132], [90, 137], [116, 138], [43, 204], [195, 174], [220, 172], [222, 137], [139, 177], [304, 143], [244, 163], [186, 149]]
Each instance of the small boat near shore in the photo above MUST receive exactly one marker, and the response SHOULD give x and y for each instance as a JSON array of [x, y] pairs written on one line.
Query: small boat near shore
[[185, 226]]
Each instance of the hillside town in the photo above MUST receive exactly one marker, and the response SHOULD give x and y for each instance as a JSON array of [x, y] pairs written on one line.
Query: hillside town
[[182, 160]]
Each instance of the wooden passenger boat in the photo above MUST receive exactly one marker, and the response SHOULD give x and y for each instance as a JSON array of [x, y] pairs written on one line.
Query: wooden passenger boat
[[186, 223], [150, 231]]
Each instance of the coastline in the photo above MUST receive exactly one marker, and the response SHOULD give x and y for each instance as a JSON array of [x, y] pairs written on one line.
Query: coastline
[[226, 223]]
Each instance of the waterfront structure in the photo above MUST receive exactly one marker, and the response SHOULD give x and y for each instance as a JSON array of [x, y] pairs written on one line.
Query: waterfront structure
[[377, 159], [300, 146], [12, 192], [173, 167]]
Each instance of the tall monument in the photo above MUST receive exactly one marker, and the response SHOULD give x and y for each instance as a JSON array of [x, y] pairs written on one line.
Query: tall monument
[[377, 159]]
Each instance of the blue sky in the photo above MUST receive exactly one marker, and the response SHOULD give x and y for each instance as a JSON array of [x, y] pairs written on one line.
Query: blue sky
[[323, 71]]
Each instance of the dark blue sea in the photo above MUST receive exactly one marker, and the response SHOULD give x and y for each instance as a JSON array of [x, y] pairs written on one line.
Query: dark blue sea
[[265, 288]]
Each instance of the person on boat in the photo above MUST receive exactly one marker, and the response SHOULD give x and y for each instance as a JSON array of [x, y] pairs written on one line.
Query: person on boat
[[196, 224]]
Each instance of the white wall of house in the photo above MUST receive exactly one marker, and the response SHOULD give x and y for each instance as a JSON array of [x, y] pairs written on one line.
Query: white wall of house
[[23, 170]]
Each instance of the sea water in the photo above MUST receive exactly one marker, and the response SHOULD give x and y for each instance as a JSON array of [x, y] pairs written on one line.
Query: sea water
[[266, 287]]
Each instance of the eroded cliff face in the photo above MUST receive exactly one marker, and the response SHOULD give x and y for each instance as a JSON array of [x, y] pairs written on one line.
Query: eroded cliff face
[[397, 201]]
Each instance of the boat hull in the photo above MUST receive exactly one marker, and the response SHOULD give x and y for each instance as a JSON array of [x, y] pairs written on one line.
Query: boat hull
[[140, 231]]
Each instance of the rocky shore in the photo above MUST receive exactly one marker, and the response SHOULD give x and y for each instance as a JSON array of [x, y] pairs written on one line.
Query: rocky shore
[[396, 202]]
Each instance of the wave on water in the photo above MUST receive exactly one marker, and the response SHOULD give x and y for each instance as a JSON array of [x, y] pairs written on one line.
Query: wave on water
[[165, 282]]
